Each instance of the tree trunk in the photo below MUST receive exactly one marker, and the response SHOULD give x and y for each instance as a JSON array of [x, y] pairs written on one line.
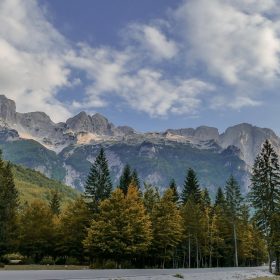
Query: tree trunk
[[269, 260], [235, 245], [189, 252], [197, 263], [277, 268]]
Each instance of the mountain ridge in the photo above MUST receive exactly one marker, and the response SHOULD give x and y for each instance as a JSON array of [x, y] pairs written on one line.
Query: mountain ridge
[[63, 143]]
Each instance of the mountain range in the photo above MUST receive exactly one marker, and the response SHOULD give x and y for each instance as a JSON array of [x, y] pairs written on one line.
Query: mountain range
[[64, 151]]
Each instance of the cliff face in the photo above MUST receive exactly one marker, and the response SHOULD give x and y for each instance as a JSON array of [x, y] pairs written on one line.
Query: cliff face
[[65, 150]]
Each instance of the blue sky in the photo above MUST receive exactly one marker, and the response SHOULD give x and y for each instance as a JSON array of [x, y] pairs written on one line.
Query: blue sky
[[148, 64]]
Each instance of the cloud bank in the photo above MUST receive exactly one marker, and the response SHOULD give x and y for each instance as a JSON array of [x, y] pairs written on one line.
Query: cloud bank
[[225, 55]]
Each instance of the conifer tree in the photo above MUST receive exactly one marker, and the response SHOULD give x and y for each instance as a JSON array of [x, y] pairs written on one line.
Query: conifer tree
[[8, 208], [151, 197], [55, 202], [233, 200], [220, 199], [125, 178], [135, 179], [167, 226], [265, 192], [173, 187], [205, 199], [98, 184], [191, 188], [192, 226]]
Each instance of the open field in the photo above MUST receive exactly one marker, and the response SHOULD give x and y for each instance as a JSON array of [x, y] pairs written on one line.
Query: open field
[[139, 274]]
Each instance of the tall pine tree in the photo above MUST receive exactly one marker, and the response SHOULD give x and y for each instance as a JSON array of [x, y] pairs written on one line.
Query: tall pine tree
[[173, 187], [8, 208], [265, 192], [135, 179], [233, 200], [125, 178], [220, 199], [98, 184], [55, 202], [191, 189]]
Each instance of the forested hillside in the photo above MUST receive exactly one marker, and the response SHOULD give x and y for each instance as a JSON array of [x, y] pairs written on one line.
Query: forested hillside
[[33, 185]]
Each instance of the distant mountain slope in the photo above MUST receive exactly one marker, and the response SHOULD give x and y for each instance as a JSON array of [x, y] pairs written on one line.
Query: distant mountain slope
[[158, 163], [34, 185], [64, 151]]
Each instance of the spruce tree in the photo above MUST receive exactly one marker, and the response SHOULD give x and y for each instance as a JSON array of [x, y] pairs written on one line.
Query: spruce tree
[[205, 199], [220, 199], [135, 179], [233, 201], [151, 197], [125, 179], [191, 189], [173, 187], [265, 192], [54, 203], [98, 185], [8, 208]]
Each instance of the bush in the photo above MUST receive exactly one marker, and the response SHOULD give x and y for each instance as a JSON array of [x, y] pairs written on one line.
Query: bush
[[2, 265], [28, 261], [109, 264], [60, 261], [72, 261], [8, 258], [47, 260]]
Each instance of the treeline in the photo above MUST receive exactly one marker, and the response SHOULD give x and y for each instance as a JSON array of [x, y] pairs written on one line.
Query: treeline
[[132, 226]]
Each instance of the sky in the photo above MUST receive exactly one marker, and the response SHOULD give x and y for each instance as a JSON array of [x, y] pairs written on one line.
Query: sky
[[148, 64]]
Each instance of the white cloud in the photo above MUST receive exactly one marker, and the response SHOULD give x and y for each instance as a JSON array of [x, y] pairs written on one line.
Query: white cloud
[[235, 40], [153, 41], [36, 62], [233, 102], [117, 74], [31, 58], [235, 43]]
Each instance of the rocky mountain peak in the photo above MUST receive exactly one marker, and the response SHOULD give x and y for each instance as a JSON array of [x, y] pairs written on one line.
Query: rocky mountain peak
[[7, 109], [80, 123], [205, 133], [248, 139], [101, 125]]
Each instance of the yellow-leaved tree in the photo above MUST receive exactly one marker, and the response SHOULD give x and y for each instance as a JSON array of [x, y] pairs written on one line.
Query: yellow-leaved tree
[[121, 230], [167, 227]]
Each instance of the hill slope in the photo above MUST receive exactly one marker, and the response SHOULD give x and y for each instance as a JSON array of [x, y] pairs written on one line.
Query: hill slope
[[33, 185]]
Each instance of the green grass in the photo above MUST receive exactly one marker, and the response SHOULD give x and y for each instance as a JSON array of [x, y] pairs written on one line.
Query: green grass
[[43, 267]]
